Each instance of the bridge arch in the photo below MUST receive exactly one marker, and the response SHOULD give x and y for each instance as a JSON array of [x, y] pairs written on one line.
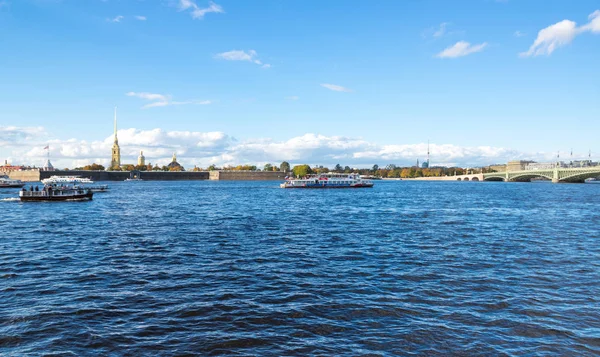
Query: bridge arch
[[580, 176], [466, 179], [475, 179], [459, 179], [494, 178], [529, 175]]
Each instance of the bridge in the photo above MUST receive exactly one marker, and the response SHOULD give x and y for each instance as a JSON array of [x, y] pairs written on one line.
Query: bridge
[[557, 174]]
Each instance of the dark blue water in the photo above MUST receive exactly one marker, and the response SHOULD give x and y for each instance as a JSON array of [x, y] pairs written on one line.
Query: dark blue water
[[246, 268]]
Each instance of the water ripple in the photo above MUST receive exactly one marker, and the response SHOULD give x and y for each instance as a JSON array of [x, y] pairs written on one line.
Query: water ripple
[[245, 268]]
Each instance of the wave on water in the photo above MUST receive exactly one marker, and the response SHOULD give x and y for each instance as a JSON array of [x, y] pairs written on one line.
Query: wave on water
[[9, 199]]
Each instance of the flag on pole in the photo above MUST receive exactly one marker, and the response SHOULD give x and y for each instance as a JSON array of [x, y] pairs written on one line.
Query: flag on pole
[[47, 147]]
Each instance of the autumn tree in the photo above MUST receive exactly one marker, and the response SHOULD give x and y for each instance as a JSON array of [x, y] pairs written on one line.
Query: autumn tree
[[302, 170], [93, 167]]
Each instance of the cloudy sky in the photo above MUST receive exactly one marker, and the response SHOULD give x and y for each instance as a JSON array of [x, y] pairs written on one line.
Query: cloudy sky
[[350, 82]]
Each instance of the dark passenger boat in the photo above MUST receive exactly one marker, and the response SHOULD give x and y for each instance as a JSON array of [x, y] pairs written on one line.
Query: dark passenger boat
[[6, 182], [57, 193]]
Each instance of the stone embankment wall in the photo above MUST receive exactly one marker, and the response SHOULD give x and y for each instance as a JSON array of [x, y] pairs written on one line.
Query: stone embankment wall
[[122, 175], [247, 175], [36, 175], [25, 176]]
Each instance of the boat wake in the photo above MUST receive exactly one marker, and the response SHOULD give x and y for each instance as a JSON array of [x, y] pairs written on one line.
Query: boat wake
[[10, 199]]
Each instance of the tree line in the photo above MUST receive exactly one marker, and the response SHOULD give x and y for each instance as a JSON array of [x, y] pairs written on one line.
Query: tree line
[[389, 171]]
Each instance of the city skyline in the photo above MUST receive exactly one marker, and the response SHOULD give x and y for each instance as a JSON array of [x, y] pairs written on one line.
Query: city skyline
[[229, 82]]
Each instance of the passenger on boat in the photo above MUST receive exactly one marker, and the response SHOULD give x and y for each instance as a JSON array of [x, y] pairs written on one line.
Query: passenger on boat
[[37, 189], [31, 188]]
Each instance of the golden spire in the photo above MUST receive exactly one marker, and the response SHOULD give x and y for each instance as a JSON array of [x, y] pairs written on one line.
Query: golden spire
[[116, 140]]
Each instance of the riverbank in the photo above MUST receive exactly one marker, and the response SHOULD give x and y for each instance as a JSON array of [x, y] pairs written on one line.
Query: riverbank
[[36, 175]]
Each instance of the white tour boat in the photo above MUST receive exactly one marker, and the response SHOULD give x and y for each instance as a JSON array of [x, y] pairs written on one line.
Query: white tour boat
[[329, 180], [6, 182], [56, 193], [84, 182]]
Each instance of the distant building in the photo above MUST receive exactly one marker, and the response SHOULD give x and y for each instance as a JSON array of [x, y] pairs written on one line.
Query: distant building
[[47, 166], [517, 165], [582, 163], [497, 168], [141, 159], [425, 165], [6, 167], [174, 165], [115, 161], [540, 166]]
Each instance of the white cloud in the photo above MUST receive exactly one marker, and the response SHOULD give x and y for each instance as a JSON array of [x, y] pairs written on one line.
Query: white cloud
[[560, 34], [237, 55], [519, 34], [441, 30], [196, 11], [241, 55], [116, 19], [141, 18], [552, 37], [594, 24], [335, 87], [163, 100], [205, 148], [444, 29], [460, 49]]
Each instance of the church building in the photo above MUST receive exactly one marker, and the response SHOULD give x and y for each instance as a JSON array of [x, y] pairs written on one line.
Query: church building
[[141, 159]]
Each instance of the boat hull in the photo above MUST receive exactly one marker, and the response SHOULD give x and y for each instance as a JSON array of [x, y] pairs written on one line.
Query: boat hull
[[16, 185], [55, 198], [326, 186]]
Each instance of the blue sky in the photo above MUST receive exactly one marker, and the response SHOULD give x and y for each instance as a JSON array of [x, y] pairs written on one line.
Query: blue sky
[[244, 80]]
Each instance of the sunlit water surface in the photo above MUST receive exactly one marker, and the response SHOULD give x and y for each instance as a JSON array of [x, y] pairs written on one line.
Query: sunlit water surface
[[247, 268]]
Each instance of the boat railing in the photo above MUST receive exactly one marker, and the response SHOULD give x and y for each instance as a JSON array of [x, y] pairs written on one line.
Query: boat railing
[[52, 193]]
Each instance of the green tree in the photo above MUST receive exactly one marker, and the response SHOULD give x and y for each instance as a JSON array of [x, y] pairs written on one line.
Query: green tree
[[285, 166], [212, 167], [347, 169], [338, 168], [375, 168], [302, 170], [268, 167]]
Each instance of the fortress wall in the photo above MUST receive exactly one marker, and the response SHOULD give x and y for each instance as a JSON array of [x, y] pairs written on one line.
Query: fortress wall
[[25, 176], [247, 175], [173, 176], [122, 175]]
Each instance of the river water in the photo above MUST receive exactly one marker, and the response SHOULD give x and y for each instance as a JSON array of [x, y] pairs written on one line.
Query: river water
[[247, 268]]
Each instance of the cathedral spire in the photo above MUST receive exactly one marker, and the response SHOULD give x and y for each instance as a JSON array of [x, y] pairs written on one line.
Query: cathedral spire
[[116, 140], [115, 161]]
